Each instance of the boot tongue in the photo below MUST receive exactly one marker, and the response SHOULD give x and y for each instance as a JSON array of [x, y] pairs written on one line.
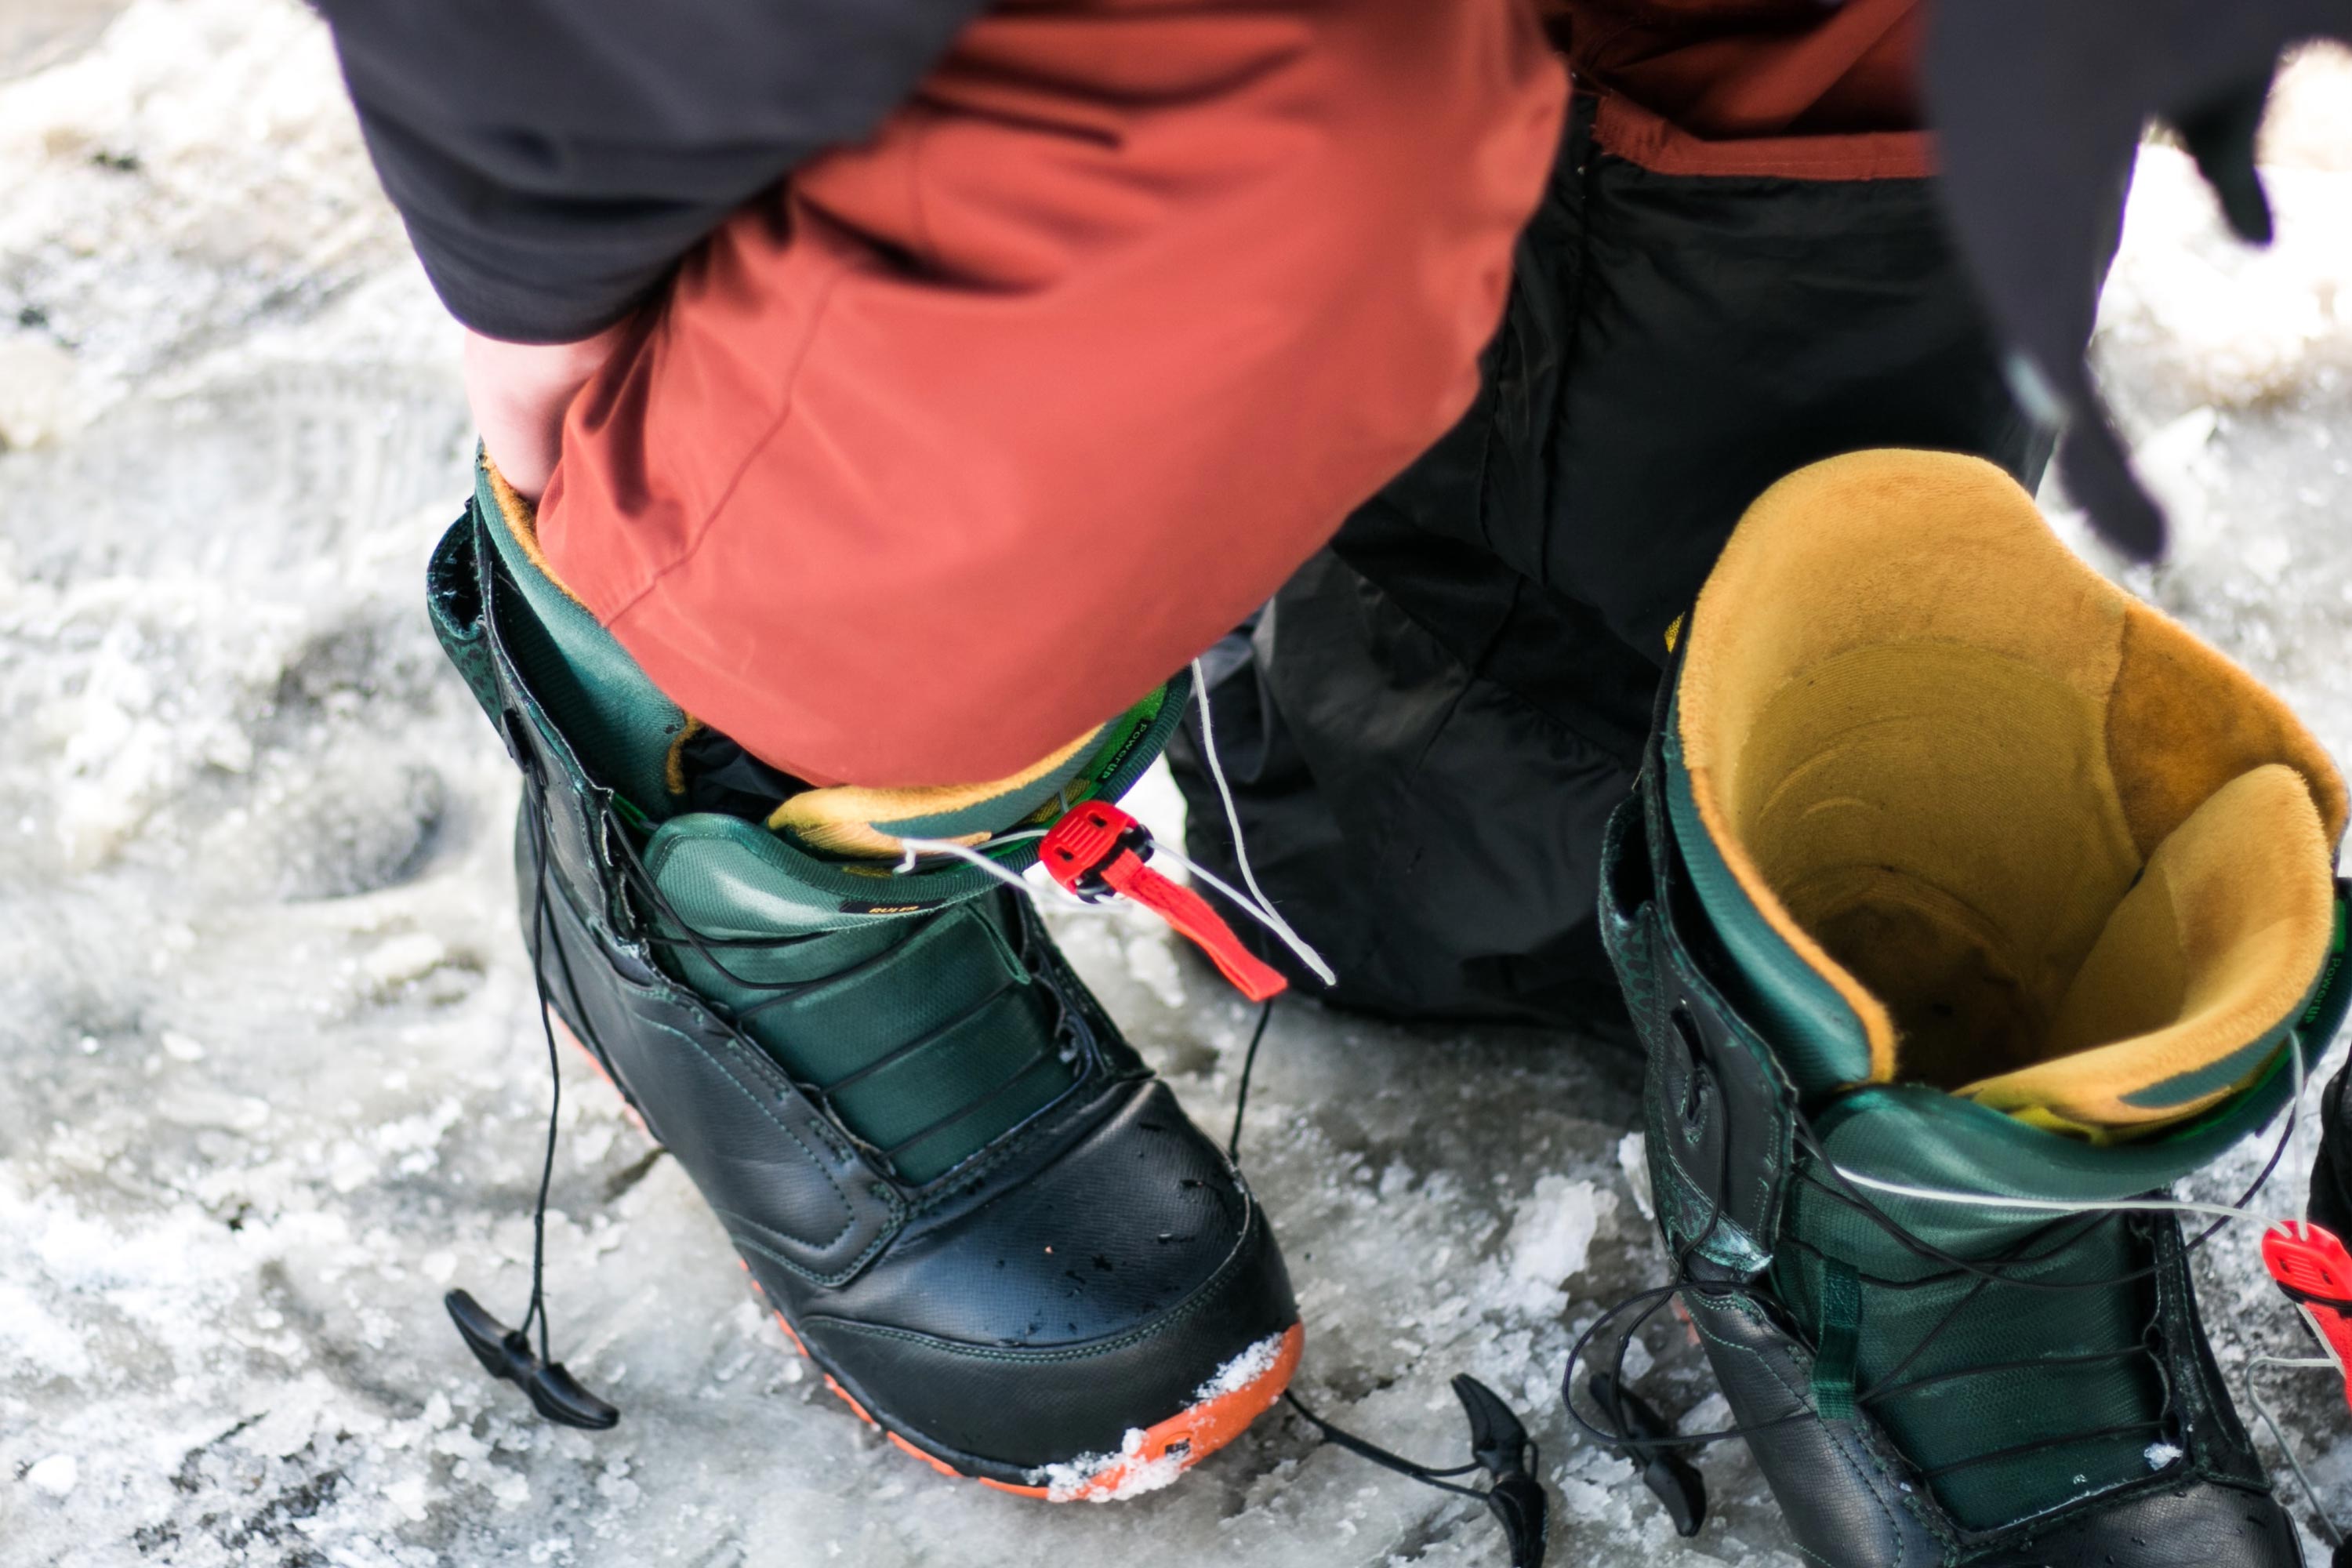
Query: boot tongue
[[917, 1001], [2197, 976]]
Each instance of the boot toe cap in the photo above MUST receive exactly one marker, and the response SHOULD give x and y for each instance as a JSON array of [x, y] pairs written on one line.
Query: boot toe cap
[[1013, 1411], [1098, 1294]]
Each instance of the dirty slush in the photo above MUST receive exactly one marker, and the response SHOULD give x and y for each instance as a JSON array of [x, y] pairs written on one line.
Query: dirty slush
[[273, 1078]]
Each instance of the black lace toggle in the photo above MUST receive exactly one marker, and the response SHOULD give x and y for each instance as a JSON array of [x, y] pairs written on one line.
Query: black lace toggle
[[506, 1353], [1503, 1448], [1670, 1478], [1499, 1445]]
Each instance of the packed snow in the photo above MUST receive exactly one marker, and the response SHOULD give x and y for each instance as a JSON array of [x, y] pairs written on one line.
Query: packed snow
[[272, 1080], [1242, 1370], [1080, 1478]]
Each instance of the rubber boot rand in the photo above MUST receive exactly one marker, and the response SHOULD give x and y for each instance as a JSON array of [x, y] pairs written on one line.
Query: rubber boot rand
[[1962, 894], [966, 1198]]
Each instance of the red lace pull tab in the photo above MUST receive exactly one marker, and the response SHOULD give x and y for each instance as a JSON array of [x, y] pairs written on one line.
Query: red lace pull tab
[[1189, 913], [1098, 850], [2316, 1273]]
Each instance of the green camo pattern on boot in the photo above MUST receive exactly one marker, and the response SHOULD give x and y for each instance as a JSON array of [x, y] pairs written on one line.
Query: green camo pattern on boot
[[1954, 871]]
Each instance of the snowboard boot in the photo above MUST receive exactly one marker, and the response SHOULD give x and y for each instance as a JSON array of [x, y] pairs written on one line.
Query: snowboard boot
[[2310, 1263], [968, 1201], [2331, 1175], [1961, 895]]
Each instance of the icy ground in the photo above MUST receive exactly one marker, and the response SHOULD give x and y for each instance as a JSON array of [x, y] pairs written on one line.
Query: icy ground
[[271, 1080]]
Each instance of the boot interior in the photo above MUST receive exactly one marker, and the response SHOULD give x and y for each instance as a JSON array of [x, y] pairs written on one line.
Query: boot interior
[[2053, 852]]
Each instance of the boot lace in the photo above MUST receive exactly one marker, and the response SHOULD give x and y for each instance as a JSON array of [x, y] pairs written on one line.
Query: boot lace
[[2012, 1267]]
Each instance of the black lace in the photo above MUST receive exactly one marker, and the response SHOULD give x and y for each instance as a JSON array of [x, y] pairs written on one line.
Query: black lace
[[2005, 1268], [507, 1352], [1499, 1443]]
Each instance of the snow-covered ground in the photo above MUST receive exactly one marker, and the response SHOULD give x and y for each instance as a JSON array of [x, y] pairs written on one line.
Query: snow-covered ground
[[272, 1077]]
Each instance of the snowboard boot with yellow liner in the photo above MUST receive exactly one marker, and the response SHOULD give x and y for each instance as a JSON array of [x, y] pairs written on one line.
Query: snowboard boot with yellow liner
[[968, 1201], [1962, 896]]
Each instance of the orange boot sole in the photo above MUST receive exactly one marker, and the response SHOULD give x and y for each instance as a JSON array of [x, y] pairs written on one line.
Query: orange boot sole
[[1185, 1438]]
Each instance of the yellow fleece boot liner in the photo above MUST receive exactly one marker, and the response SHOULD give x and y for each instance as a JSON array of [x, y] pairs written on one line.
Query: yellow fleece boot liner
[[851, 820], [2055, 852]]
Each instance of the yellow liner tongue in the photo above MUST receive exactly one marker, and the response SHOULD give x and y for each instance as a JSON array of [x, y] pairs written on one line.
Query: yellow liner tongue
[[2178, 1004], [852, 820], [2055, 853]]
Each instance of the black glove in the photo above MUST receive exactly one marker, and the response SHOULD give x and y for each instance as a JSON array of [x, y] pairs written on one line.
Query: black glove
[[2038, 106]]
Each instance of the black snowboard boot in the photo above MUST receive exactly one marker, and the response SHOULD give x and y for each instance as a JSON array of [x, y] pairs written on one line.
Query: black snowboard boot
[[1964, 906], [970, 1203], [2310, 1262], [2331, 1176]]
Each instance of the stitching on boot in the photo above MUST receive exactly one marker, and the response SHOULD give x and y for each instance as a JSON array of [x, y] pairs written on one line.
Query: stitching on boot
[[670, 993], [1914, 1500], [849, 1213]]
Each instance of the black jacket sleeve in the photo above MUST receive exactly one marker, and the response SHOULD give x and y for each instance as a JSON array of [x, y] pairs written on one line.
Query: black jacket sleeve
[[553, 158]]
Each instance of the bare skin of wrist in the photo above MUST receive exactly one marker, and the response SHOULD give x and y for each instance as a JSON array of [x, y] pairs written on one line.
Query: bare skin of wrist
[[520, 392]]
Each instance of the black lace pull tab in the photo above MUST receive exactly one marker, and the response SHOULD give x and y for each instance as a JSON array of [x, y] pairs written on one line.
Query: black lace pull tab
[[1499, 1441], [1672, 1478], [1516, 1500], [506, 1353], [559, 1397], [1519, 1504]]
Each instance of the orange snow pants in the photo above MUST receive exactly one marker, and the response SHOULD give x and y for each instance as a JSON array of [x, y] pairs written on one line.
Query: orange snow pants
[[967, 436]]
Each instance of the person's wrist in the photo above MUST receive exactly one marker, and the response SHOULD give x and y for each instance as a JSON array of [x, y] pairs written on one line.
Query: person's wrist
[[519, 393]]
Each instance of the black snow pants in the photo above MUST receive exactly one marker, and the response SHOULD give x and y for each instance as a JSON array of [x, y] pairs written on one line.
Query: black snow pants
[[1426, 728]]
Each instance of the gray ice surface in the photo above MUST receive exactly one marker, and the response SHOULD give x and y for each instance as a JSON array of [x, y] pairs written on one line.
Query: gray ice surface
[[272, 1080]]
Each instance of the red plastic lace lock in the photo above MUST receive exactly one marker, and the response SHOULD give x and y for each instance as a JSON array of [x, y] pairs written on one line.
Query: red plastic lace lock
[[1081, 847], [2314, 1271], [1096, 850]]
